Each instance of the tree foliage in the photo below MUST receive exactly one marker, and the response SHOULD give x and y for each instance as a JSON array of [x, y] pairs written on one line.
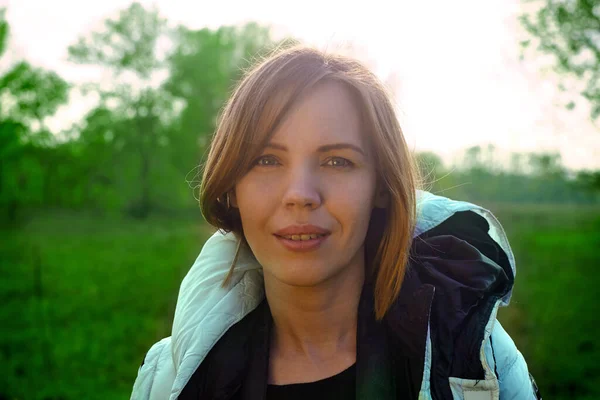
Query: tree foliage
[[136, 150], [30, 93], [27, 95], [127, 123], [3, 30], [153, 133], [127, 43], [204, 67], [569, 31], [531, 178]]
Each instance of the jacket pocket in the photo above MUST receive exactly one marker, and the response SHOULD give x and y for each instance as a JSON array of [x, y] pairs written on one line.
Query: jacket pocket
[[474, 389]]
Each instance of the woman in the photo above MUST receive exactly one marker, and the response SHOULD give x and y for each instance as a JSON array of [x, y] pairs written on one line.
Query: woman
[[338, 278]]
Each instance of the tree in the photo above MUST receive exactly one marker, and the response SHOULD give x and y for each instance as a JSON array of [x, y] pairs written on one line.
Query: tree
[[152, 133], [546, 164], [27, 96], [204, 67], [569, 31], [588, 181], [128, 43], [130, 46]]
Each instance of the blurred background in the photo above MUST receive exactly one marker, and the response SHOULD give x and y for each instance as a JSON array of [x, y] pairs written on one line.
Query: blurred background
[[106, 109]]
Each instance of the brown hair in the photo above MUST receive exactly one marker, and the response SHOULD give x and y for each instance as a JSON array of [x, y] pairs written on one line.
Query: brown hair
[[258, 105]]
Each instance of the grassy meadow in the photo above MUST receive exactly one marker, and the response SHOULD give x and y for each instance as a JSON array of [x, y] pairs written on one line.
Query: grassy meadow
[[83, 297]]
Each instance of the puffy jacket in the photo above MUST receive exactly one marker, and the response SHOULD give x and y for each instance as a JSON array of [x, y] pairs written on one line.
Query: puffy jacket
[[468, 356]]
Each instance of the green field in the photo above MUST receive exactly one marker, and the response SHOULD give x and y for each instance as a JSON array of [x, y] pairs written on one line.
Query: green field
[[551, 316], [84, 297]]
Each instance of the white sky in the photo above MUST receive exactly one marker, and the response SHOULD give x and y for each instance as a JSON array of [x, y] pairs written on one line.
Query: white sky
[[455, 64]]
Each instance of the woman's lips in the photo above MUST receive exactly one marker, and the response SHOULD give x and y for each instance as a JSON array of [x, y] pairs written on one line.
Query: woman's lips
[[302, 245]]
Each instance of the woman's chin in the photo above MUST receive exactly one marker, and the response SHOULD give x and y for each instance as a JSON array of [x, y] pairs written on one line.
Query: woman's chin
[[305, 276]]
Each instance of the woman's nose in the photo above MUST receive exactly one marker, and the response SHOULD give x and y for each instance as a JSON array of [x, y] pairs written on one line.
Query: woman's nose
[[302, 190]]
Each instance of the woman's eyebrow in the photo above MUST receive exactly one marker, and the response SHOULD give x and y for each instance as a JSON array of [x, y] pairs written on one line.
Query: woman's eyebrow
[[340, 146], [322, 149]]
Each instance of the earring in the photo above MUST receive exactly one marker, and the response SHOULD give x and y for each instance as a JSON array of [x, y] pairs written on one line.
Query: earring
[[227, 203]]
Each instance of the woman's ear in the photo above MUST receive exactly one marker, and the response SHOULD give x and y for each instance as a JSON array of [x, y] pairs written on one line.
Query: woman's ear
[[382, 197], [232, 198]]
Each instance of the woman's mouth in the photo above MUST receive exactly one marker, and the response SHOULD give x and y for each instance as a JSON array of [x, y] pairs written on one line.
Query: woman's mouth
[[302, 243], [303, 237]]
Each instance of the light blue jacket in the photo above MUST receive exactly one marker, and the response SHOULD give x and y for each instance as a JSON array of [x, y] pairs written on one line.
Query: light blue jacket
[[205, 311]]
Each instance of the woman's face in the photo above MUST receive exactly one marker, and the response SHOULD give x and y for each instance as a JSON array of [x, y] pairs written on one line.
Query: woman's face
[[306, 202]]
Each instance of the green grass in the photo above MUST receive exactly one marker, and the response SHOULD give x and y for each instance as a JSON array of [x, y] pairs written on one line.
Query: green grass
[[553, 315], [84, 297]]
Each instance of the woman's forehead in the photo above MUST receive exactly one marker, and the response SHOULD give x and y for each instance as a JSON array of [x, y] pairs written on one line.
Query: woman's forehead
[[328, 113]]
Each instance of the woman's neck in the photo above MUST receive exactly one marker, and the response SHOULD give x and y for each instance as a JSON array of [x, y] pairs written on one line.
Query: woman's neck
[[316, 324]]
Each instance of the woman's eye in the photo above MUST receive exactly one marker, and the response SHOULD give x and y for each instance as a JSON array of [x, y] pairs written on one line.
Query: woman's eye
[[339, 162], [266, 161]]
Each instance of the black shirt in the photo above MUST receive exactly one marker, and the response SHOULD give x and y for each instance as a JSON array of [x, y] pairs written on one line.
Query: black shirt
[[339, 387]]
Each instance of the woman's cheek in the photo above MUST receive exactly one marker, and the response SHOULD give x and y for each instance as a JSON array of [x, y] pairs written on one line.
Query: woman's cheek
[[355, 192], [257, 187]]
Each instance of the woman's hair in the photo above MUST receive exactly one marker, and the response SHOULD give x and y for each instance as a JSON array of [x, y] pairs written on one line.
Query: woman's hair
[[259, 104]]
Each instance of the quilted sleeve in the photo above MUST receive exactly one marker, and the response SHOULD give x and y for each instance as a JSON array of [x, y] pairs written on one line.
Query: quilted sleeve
[[510, 367], [156, 375]]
